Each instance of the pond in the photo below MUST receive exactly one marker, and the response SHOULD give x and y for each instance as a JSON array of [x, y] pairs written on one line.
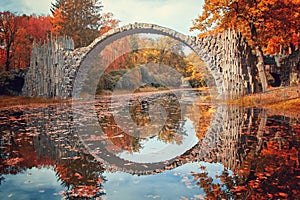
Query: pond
[[166, 145]]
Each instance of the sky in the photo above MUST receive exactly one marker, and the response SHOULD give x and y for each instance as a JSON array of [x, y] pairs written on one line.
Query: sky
[[173, 14]]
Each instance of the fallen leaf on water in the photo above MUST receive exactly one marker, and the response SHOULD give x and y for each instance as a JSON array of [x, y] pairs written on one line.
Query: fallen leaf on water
[[267, 174], [13, 161], [238, 188], [99, 180], [76, 157], [282, 194], [78, 175]]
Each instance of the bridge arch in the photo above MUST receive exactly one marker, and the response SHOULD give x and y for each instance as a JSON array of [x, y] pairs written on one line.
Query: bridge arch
[[90, 60], [200, 47]]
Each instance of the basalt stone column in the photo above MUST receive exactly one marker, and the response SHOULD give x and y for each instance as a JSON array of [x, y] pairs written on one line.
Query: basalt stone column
[[48, 75], [237, 65]]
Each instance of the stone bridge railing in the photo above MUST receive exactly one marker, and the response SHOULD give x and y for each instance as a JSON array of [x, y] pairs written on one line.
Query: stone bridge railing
[[55, 65]]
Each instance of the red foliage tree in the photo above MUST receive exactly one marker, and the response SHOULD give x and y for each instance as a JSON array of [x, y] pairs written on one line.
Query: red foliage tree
[[16, 36], [8, 31]]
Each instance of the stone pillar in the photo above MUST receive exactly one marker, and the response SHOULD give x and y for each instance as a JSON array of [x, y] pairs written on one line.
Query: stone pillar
[[47, 71]]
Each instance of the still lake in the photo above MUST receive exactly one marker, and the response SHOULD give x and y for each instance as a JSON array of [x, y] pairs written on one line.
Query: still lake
[[147, 146]]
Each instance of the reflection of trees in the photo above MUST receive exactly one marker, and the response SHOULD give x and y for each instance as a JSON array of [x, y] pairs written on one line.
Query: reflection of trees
[[82, 175], [78, 171], [201, 120], [16, 146], [41, 138], [16, 153], [269, 167], [212, 190], [262, 153], [139, 111], [117, 136], [172, 130]]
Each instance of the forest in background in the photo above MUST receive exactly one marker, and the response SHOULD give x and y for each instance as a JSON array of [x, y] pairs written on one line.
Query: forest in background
[[270, 27], [82, 20], [162, 53]]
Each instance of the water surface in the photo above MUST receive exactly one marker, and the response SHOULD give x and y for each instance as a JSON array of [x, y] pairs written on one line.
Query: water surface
[[147, 147]]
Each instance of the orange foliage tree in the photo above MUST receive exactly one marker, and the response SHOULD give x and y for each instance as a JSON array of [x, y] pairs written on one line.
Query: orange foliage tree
[[262, 22], [108, 22], [80, 19]]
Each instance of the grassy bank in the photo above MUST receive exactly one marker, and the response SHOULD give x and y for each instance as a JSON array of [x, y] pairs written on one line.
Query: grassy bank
[[9, 101], [280, 101], [289, 108]]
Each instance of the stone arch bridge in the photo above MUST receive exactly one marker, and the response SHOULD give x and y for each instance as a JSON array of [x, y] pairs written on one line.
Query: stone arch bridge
[[55, 64]]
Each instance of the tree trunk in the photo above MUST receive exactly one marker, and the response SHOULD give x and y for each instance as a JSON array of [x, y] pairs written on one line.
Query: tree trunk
[[260, 132], [260, 57], [261, 68], [7, 62]]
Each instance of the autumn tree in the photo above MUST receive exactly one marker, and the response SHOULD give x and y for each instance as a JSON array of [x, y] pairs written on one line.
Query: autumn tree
[[107, 23], [8, 31], [30, 28], [16, 36], [79, 19], [260, 21], [37, 27]]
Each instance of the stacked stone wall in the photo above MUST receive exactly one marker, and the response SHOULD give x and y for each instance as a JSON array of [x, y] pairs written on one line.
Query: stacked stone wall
[[50, 73]]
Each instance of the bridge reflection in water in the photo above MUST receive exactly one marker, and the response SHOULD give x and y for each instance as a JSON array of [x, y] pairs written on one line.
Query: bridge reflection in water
[[258, 153]]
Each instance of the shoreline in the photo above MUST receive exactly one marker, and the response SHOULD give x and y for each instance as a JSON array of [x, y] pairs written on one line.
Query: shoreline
[[7, 101], [280, 101]]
